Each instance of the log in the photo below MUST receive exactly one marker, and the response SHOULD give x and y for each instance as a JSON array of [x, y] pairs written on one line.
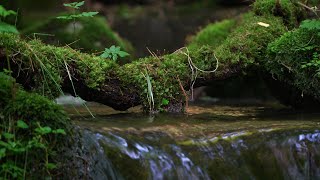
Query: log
[[51, 70]]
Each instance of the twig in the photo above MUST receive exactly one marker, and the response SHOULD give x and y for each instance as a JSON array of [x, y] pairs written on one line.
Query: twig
[[312, 9], [184, 93], [152, 53], [194, 68]]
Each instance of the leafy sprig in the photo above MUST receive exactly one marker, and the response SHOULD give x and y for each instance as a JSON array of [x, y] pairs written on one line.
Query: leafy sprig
[[76, 5], [113, 53], [75, 16]]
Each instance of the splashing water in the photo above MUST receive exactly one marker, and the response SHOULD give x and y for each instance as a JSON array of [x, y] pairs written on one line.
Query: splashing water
[[284, 155]]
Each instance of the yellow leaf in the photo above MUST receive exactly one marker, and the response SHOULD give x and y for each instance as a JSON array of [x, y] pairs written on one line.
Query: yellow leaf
[[263, 24]]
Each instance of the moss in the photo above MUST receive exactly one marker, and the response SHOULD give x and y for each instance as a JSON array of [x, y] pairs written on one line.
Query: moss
[[247, 44], [286, 9], [287, 56], [244, 47], [19, 104], [49, 64], [168, 71], [33, 107], [213, 34], [89, 35], [30, 148]]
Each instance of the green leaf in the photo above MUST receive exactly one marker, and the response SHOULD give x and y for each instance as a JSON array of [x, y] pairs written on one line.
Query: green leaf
[[43, 130], [51, 166], [2, 153], [123, 54], [88, 14], [115, 57], [4, 144], [12, 144], [21, 124], [59, 131], [79, 4], [165, 102], [67, 17], [5, 13], [74, 5], [113, 52], [4, 27], [8, 135]]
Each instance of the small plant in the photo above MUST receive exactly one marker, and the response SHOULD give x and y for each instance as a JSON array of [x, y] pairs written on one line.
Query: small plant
[[75, 15], [313, 64], [13, 148], [5, 27], [113, 53], [164, 102]]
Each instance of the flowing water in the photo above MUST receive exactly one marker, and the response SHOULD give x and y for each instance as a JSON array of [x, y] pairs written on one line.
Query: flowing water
[[213, 142]]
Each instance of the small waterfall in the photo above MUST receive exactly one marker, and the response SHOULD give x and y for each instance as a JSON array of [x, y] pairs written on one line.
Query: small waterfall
[[239, 155], [172, 164]]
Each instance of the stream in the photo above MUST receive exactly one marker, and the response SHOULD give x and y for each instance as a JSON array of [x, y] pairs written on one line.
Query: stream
[[208, 142]]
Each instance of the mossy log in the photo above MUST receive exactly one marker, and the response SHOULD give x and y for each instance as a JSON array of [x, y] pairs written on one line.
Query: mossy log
[[47, 70], [240, 46]]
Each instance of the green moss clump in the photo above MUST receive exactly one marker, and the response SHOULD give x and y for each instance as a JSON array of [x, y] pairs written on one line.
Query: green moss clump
[[247, 44], [49, 64], [212, 35], [31, 133], [33, 107], [17, 104], [293, 58], [286, 9], [86, 34]]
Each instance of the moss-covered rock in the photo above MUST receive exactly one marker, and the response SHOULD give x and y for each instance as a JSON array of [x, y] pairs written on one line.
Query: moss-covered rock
[[86, 34]]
